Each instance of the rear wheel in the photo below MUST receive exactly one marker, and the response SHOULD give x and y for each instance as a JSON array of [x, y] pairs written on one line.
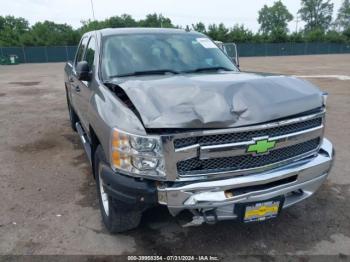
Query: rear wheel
[[73, 118], [116, 215]]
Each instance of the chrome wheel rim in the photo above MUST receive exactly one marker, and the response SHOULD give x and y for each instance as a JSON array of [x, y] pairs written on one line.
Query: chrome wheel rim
[[104, 196]]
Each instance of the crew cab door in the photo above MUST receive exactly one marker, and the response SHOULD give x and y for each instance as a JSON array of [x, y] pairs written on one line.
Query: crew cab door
[[75, 83], [84, 91]]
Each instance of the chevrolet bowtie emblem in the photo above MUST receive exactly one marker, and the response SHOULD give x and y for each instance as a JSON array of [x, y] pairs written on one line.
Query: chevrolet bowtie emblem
[[261, 146]]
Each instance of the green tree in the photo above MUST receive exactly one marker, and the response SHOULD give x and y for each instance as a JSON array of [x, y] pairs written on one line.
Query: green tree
[[316, 35], [343, 18], [317, 14], [346, 33], [124, 20], [296, 37], [11, 30], [155, 20], [15, 31], [218, 32], [199, 27], [335, 37], [48, 33], [240, 34], [89, 25], [274, 20]]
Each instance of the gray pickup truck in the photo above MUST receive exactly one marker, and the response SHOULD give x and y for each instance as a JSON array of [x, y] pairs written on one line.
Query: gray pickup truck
[[167, 118]]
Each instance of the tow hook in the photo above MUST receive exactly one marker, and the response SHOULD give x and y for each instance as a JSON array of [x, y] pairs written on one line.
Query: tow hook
[[208, 216]]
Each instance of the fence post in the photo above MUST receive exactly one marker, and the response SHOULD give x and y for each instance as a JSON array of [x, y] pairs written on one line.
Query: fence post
[[24, 55], [1, 51]]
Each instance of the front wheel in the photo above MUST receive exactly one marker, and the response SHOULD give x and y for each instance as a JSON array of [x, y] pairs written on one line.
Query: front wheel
[[116, 215]]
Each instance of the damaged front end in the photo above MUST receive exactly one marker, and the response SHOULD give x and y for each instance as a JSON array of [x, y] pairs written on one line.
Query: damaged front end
[[213, 201], [215, 173], [232, 139], [225, 100]]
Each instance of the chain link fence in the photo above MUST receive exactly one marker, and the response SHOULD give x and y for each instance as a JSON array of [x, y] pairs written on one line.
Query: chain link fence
[[285, 49], [40, 54], [43, 54]]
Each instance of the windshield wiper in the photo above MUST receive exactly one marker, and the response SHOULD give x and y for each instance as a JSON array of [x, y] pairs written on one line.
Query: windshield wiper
[[213, 68], [147, 72]]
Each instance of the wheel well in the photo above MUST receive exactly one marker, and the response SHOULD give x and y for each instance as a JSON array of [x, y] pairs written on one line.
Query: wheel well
[[94, 144]]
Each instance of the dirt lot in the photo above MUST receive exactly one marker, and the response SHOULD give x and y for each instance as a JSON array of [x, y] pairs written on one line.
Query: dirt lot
[[48, 200]]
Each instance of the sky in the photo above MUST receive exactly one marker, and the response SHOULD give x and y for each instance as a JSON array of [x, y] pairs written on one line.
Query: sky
[[181, 12]]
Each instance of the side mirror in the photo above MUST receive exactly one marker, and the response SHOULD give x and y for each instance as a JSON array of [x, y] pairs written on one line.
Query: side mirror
[[230, 49], [235, 55], [83, 71], [236, 60]]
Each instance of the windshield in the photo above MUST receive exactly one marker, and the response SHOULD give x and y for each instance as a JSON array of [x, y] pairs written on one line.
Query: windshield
[[138, 54]]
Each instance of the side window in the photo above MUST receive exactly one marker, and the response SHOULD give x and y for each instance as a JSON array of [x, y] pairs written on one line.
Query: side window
[[80, 51], [90, 52]]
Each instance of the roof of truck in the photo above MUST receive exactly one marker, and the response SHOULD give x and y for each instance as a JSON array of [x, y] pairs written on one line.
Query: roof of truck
[[141, 30]]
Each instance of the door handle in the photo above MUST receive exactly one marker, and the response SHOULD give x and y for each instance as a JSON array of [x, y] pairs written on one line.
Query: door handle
[[77, 88]]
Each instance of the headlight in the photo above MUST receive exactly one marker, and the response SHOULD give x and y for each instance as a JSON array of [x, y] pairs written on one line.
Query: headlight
[[142, 143], [137, 155], [142, 163]]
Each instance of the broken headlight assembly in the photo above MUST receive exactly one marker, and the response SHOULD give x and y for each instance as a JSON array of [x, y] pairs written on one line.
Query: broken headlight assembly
[[137, 155]]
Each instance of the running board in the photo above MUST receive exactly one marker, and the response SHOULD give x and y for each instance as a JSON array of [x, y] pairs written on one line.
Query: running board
[[84, 140]]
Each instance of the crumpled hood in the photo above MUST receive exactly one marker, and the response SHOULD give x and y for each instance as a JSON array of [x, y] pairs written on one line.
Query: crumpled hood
[[218, 100]]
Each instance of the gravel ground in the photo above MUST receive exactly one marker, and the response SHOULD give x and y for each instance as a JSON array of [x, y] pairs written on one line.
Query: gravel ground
[[48, 199]]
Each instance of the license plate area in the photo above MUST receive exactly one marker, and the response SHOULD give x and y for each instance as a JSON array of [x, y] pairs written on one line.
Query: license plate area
[[259, 211]]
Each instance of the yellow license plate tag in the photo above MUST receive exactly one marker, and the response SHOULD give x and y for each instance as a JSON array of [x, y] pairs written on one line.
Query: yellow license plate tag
[[261, 211]]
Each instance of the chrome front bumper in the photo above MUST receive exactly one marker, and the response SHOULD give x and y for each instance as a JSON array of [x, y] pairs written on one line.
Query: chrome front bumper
[[220, 195]]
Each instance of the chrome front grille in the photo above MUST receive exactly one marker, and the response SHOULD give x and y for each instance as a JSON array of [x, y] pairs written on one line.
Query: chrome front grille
[[248, 135], [197, 166], [224, 152]]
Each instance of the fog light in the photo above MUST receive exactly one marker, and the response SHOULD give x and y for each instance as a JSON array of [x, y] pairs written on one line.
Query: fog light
[[162, 198]]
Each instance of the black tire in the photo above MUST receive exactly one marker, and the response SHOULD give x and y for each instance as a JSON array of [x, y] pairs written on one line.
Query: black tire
[[121, 217], [73, 118]]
